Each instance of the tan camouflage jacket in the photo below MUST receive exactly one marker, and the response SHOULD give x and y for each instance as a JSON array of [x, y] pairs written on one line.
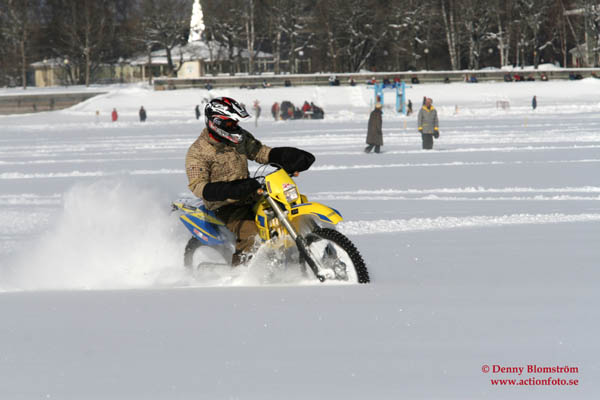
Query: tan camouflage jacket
[[210, 161]]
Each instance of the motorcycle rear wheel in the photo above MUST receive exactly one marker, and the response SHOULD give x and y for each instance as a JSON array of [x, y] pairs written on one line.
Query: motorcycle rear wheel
[[339, 254], [192, 259]]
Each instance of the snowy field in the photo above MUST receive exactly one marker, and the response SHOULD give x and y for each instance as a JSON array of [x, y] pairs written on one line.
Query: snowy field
[[482, 252]]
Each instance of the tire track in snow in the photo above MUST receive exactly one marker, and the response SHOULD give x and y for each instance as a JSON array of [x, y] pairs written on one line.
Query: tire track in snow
[[485, 194], [448, 164], [448, 223], [28, 199], [79, 174]]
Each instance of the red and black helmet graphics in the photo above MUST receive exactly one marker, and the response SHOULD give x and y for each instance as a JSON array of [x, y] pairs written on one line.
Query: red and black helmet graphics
[[222, 115]]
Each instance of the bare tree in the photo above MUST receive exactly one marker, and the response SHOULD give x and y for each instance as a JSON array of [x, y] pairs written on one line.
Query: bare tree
[[83, 33], [167, 23], [410, 24], [533, 14], [448, 10], [18, 17], [250, 33], [476, 20], [591, 16], [225, 26], [500, 33], [359, 33]]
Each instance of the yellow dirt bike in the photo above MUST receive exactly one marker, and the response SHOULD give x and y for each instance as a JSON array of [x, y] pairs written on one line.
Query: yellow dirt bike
[[288, 224]]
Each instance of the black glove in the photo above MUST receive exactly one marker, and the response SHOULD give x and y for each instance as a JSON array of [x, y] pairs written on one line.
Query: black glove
[[291, 158], [237, 190], [436, 134]]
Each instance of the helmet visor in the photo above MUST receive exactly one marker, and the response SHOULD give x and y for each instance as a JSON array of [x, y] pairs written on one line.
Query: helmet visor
[[226, 129]]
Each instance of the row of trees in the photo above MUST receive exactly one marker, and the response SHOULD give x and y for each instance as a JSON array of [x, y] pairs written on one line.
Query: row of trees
[[349, 35], [84, 34], [335, 35]]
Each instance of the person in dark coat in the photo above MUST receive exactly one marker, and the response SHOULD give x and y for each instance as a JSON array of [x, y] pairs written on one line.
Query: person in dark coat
[[142, 114], [375, 133], [534, 102], [197, 112]]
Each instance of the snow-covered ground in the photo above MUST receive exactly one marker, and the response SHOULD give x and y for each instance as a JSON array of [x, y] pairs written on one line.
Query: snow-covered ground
[[482, 252]]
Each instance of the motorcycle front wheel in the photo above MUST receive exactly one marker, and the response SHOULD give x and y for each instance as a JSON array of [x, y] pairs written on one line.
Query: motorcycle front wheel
[[337, 254]]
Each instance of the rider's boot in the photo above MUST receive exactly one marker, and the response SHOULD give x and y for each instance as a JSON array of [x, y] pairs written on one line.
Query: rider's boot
[[240, 258]]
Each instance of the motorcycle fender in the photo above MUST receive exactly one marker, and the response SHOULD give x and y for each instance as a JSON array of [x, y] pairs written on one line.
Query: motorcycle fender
[[205, 232], [318, 210]]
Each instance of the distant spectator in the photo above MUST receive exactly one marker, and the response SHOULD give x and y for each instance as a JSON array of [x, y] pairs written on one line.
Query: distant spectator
[[386, 82], [473, 79], [518, 78], [332, 79], [257, 111], [306, 110], [424, 100], [574, 77], [197, 109], [446, 80], [287, 83], [275, 111], [544, 77], [414, 80], [534, 102], [372, 81], [142, 114], [208, 86], [507, 78], [374, 131], [427, 122], [114, 115], [97, 116], [286, 110], [351, 81], [317, 112], [397, 82], [409, 108], [530, 78], [265, 84]]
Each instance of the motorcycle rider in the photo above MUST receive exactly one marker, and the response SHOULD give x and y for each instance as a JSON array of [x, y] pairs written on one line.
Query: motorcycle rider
[[217, 169]]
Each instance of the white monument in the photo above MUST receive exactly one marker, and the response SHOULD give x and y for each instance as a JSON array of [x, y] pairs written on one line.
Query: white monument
[[197, 23]]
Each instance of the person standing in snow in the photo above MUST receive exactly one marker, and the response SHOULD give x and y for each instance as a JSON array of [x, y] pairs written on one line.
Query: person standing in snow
[[257, 110], [197, 109], [409, 109], [114, 115], [275, 111], [374, 132], [216, 165], [534, 102], [142, 114], [427, 121]]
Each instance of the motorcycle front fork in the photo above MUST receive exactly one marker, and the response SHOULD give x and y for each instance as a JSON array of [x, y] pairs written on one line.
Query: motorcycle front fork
[[303, 248]]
